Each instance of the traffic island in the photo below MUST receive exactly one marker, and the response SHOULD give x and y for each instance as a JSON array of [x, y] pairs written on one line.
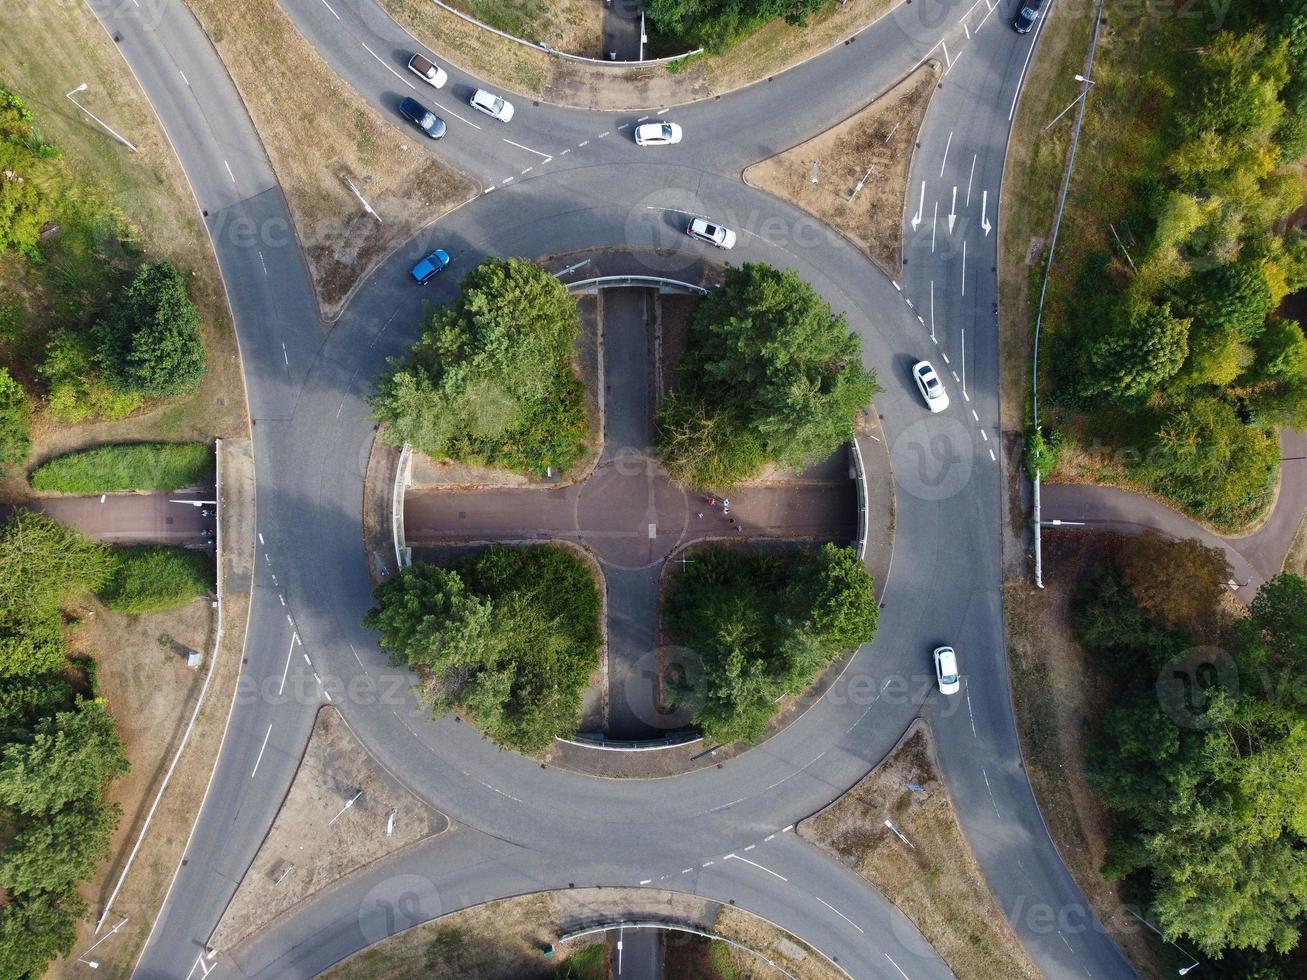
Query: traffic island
[[897, 828], [344, 811]]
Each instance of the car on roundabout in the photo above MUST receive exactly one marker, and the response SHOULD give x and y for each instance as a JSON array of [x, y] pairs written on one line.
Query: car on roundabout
[[429, 266], [657, 134], [428, 71], [1026, 15], [930, 386], [492, 105], [422, 117], [946, 670], [707, 231]]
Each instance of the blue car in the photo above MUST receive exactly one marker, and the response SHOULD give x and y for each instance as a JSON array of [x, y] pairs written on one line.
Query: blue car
[[429, 266]]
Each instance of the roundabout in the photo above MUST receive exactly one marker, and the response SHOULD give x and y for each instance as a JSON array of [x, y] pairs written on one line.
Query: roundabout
[[532, 828]]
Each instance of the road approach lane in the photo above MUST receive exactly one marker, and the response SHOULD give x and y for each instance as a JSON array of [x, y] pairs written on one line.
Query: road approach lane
[[312, 438]]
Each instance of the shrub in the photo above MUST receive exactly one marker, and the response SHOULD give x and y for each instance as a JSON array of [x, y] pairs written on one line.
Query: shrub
[[127, 466], [152, 578], [149, 342], [15, 440]]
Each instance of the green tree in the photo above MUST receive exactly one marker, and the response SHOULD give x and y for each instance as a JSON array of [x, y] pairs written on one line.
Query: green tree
[[149, 341], [71, 756], [14, 434], [52, 854], [490, 380], [34, 930], [1142, 352], [769, 374], [41, 563], [28, 197]]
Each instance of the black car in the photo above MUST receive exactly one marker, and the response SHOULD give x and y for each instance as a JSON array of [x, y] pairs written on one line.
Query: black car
[[422, 117], [1026, 16]]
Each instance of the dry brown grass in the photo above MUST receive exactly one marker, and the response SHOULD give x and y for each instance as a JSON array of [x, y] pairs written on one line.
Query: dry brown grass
[[573, 26], [317, 134], [534, 74], [316, 839], [874, 144], [937, 885], [45, 50]]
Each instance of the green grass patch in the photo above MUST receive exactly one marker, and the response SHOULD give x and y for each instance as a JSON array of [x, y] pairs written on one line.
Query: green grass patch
[[153, 578], [128, 466]]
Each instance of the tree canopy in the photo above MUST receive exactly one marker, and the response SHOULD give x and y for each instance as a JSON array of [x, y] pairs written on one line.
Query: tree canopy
[[763, 625], [490, 380], [769, 375], [28, 192], [15, 436], [679, 26], [509, 637], [149, 340]]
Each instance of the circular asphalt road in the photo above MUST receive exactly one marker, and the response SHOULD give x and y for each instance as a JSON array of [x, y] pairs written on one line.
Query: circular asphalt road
[[573, 180]]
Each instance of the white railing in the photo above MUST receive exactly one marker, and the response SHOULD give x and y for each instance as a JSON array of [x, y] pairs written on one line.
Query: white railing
[[403, 554], [669, 741], [563, 54], [864, 511], [601, 282]]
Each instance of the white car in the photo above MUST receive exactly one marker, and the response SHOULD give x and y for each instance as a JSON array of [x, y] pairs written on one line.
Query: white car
[[657, 134], [946, 670], [932, 389], [428, 71], [706, 231], [491, 104]]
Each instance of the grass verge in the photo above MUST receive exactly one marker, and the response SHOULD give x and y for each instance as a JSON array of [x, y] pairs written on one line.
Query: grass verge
[[937, 884], [127, 466], [875, 142], [46, 49], [532, 73], [156, 578], [319, 135], [573, 26]]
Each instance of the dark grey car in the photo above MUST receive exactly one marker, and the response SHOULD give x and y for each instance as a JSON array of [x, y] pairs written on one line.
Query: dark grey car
[[422, 117]]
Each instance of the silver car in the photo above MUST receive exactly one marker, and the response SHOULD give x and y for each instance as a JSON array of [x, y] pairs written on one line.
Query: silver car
[[491, 104]]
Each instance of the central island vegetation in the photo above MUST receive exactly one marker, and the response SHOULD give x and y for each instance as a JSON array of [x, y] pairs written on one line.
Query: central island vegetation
[[770, 375], [490, 381], [763, 624], [508, 637]]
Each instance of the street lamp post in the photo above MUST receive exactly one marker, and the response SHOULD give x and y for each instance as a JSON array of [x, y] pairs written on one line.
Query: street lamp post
[[1086, 82], [112, 132], [95, 964]]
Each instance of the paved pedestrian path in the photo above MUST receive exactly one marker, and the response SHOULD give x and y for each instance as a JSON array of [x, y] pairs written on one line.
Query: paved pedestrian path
[[130, 518]]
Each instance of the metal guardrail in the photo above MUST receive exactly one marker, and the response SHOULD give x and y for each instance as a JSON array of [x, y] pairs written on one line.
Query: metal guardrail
[[602, 282], [563, 54], [669, 741], [403, 553], [677, 927], [864, 511]]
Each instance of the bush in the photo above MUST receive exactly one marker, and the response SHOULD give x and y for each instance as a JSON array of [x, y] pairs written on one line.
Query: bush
[[490, 381], [152, 578], [763, 625], [128, 466], [769, 375], [678, 26], [149, 342], [509, 637], [1041, 452], [27, 194], [15, 439]]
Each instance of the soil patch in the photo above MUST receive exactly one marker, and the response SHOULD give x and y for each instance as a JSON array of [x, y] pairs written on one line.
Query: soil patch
[[320, 135], [936, 883], [533, 74], [344, 810], [862, 169]]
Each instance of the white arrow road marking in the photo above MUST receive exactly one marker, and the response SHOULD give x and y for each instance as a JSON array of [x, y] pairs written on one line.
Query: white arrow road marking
[[953, 210], [921, 203], [984, 221]]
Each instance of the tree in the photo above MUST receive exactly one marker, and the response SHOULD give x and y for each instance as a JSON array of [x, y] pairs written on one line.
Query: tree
[[1176, 583], [508, 637], [1145, 349], [72, 755], [490, 381], [149, 342], [770, 374], [52, 854], [42, 562], [682, 25], [14, 434]]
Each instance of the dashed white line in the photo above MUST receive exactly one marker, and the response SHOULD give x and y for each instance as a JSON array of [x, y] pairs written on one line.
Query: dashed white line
[[946, 361], [583, 143], [294, 638], [956, 378], [896, 966], [707, 864], [840, 914], [488, 190], [333, 12], [660, 112], [387, 67], [974, 416], [767, 838], [261, 748], [755, 864], [967, 687], [261, 541], [642, 119], [992, 456], [1064, 942], [282, 598], [987, 786], [527, 170], [565, 152], [947, 59], [229, 173], [262, 263], [786, 830], [284, 356], [623, 126], [750, 847], [604, 133], [646, 881], [185, 80], [983, 434], [528, 149], [308, 661], [686, 871], [970, 178], [507, 180]]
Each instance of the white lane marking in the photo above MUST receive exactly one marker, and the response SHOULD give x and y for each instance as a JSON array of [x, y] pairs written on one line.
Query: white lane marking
[[646, 881], [604, 133], [982, 768], [840, 914], [487, 190], [786, 830], [933, 222], [987, 16], [261, 541], [445, 108], [947, 361], [642, 119], [750, 848], [955, 61], [945, 47], [896, 966], [767, 838], [333, 12], [229, 173], [284, 356], [565, 152], [983, 434], [992, 456], [507, 180], [686, 871], [294, 638], [756, 865], [282, 598], [932, 310], [1064, 942], [185, 80], [261, 748], [528, 149], [964, 267], [526, 170], [623, 126], [966, 686], [974, 416], [262, 263], [308, 661], [660, 112], [583, 143], [1022, 77], [724, 806], [970, 178], [909, 302], [947, 144], [387, 67], [707, 864], [966, 30]]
